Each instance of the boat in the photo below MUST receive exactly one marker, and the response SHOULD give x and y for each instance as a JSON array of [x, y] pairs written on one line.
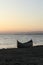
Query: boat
[[25, 45]]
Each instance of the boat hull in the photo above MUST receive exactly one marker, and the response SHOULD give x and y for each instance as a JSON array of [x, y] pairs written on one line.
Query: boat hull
[[24, 45]]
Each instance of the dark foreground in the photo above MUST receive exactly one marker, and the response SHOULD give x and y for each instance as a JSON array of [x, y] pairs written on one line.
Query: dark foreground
[[22, 56]]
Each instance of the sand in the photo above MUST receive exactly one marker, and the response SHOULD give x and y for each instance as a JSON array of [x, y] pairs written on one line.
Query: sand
[[22, 56]]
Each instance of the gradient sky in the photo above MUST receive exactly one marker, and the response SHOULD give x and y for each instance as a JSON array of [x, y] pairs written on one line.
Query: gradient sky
[[21, 15]]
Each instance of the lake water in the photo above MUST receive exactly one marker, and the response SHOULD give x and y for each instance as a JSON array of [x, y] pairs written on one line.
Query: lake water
[[10, 41]]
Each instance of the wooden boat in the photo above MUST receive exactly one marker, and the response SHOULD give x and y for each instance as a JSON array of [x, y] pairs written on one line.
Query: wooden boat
[[24, 45]]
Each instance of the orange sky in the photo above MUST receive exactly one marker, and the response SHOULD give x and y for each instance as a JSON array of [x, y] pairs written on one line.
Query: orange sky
[[21, 15]]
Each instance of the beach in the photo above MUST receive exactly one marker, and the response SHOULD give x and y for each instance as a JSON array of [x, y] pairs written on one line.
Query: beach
[[21, 32], [11, 55], [22, 56]]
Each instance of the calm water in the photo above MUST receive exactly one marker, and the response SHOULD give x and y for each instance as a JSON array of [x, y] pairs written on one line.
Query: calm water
[[9, 41]]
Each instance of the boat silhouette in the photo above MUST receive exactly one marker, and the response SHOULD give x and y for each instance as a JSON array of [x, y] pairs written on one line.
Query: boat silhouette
[[25, 45]]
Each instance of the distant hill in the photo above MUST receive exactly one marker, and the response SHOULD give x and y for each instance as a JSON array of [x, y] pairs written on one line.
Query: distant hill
[[25, 33], [29, 33]]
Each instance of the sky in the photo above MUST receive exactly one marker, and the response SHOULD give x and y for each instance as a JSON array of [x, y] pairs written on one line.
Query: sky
[[21, 15]]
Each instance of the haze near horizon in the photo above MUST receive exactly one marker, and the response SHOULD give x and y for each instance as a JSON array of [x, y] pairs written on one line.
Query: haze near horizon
[[21, 15]]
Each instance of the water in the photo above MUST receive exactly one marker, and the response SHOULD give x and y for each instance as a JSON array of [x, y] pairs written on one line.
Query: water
[[10, 41]]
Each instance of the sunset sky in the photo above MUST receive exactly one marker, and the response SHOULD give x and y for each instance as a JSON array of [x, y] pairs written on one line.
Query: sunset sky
[[21, 15]]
